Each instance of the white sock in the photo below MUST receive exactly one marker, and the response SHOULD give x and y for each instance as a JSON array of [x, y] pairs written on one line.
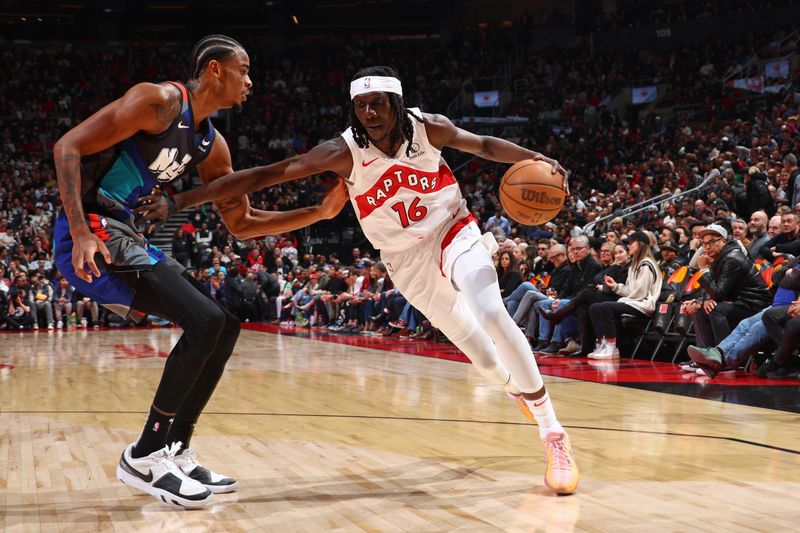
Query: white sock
[[542, 410]]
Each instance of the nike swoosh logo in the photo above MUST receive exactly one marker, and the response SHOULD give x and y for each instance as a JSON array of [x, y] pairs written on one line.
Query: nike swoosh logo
[[147, 479], [182, 126], [205, 142], [366, 163]]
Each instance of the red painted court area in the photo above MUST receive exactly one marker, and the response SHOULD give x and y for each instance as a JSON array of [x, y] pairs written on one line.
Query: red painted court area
[[621, 371]]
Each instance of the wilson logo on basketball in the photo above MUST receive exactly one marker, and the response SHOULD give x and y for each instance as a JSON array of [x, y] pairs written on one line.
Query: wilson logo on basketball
[[399, 177], [541, 197]]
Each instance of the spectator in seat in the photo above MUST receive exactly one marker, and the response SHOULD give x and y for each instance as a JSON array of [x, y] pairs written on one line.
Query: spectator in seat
[[508, 275], [250, 307], [756, 196], [751, 333], [181, 247], [787, 241], [83, 303], [233, 293], [774, 227], [638, 296], [5, 283], [583, 301], [541, 264], [783, 325], [527, 294], [758, 233], [498, 221], [62, 302], [41, 302], [582, 272], [734, 288], [670, 260], [19, 314], [739, 233]]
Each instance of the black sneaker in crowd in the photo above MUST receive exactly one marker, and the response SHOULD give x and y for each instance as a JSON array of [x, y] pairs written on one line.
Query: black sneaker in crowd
[[541, 345], [552, 349], [766, 367]]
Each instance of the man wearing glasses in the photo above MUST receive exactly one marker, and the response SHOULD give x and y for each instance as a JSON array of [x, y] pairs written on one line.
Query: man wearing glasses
[[582, 271], [733, 286], [542, 264]]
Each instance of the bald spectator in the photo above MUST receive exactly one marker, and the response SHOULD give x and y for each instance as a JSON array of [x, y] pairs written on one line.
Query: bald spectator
[[774, 226], [758, 233]]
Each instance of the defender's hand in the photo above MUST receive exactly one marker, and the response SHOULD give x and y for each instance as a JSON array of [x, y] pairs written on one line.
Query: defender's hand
[[84, 248], [155, 207]]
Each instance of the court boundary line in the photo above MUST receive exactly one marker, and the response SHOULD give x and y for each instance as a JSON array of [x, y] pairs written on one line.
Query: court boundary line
[[448, 420]]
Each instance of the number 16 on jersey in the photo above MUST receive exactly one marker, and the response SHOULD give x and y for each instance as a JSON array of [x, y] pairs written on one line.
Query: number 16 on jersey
[[414, 212]]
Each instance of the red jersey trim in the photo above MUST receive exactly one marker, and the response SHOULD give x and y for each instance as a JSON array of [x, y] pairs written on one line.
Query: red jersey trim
[[451, 234]]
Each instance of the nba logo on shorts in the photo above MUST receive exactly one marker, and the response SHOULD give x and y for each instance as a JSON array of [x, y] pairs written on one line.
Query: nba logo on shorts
[[156, 426], [366, 83]]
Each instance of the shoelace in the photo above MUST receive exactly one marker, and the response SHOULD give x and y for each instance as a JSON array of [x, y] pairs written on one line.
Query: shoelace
[[169, 452], [560, 454], [190, 457]]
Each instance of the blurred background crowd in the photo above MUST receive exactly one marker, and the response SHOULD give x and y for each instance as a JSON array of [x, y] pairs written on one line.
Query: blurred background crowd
[[666, 138]]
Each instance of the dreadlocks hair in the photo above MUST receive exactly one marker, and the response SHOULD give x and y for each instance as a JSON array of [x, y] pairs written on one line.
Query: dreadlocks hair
[[210, 47], [403, 129]]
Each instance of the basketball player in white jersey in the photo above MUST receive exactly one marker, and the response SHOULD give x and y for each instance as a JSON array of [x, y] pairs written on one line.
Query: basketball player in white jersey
[[410, 207]]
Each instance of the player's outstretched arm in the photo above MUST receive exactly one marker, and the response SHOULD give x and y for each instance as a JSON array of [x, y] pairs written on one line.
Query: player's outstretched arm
[[244, 221], [331, 155], [273, 222]]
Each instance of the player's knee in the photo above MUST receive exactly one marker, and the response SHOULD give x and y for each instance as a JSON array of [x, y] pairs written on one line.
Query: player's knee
[[231, 328], [211, 324], [492, 314]]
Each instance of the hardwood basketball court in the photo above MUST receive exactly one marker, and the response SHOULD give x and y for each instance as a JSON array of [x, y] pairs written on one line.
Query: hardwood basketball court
[[343, 436]]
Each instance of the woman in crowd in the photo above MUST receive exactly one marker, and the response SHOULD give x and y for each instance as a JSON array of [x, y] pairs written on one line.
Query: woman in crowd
[[638, 296]]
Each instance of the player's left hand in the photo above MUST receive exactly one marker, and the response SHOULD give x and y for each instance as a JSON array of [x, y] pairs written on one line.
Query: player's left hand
[[153, 207], [556, 168], [334, 199]]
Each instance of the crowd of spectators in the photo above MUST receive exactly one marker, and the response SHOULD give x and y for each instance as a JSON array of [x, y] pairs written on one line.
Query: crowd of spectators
[[635, 13], [744, 156]]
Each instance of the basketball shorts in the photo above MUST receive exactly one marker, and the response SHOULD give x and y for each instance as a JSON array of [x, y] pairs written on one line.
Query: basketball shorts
[[130, 254], [424, 273]]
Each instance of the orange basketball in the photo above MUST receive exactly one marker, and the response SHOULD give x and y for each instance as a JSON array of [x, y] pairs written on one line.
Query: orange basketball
[[530, 193]]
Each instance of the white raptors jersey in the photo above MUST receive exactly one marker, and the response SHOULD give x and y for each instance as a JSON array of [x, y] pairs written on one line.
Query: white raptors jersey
[[402, 199]]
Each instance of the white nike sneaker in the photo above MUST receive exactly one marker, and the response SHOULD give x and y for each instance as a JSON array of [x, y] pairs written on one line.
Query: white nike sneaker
[[158, 475], [609, 351], [601, 346], [216, 483]]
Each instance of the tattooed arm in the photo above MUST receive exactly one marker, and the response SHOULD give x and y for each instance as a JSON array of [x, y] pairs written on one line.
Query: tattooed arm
[[145, 107]]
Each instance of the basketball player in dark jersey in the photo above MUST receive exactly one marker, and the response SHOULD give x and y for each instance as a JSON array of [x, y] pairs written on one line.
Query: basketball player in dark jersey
[[152, 135]]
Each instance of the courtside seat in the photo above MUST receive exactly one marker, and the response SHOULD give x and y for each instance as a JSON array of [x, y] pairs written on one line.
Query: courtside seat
[[660, 328]]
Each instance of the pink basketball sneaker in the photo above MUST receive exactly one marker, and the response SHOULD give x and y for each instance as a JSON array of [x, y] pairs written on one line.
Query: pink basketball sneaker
[[562, 475]]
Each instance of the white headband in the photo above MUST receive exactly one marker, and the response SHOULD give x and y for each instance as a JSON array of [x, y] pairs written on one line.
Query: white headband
[[369, 84]]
